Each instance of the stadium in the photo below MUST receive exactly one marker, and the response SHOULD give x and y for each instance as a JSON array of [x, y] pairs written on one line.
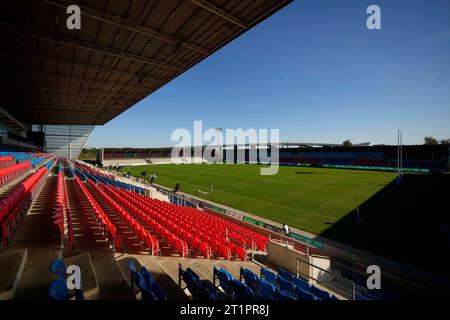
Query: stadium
[[130, 224]]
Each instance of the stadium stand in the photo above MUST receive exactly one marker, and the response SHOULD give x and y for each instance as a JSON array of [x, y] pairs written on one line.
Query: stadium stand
[[18, 199], [133, 223]]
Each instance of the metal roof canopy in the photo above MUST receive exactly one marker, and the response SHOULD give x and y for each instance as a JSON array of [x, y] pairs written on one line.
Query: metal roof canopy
[[125, 50]]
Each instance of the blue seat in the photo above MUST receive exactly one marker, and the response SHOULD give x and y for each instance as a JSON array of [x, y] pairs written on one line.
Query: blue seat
[[79, 295], [286, 275], [250, 278], [269, 276], [242, 291], [229, 274], [225, 281], [59, 268], [191, 283], [193, 274], [147, 293], [286, 285], [208, 290], [140, 281], [147, 277], [302, 284], [303, 295], [283, 295], [321, 294], [204, 294], [266, 290], [199, 289], [58, 289], [157, 291]]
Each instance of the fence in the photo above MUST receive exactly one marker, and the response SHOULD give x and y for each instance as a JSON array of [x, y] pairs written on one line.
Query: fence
[[327, 279]]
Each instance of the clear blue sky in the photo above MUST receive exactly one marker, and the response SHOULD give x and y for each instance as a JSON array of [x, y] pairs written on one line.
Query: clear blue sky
[[314, 71]]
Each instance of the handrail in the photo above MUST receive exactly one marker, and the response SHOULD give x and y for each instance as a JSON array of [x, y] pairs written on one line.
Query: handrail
[[325, 283]]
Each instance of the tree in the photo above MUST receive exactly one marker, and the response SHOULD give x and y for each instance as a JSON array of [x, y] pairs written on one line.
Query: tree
[[430, 140], [347, 143], [445, 141]]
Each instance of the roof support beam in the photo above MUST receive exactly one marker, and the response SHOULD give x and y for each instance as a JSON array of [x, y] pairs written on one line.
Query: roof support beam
[[126, 24], [58, 78], [89, 67], [44, 87], [12, 119], [85, 45], [219, 12]]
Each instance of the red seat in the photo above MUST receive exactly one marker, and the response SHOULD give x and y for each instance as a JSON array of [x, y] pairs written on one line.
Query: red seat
[[224, 251], [241, 253]]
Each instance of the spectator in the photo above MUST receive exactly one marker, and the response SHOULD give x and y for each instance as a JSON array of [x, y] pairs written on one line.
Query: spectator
[[286, 229]]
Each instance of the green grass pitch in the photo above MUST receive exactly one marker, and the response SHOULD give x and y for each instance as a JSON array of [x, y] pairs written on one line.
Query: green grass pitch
[[311, 199]]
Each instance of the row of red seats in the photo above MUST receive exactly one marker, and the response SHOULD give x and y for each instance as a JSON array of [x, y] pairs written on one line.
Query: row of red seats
[[7, 161], [18, 201], [198, 240], [172, 239], [159, 224], [9, 173], [103, 219], [144, 235], [197, 236], [211, 224]]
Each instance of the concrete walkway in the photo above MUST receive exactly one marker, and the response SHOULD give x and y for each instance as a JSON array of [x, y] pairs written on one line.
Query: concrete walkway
[[40, 236]]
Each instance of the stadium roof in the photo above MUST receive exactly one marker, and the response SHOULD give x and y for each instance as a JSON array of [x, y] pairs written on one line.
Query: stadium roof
[[125, 50]]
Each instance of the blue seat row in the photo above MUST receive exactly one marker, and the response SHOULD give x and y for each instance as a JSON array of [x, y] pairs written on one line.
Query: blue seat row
[[118, 184], [295, 286], [49, 164], [26, 157], [82, 175], [264, 289], [146, 283], [36, 162], [200, 289]]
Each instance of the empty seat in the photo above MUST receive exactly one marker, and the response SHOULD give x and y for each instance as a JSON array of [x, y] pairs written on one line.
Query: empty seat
[[250, 278], [286, 285], [269, 276], [266, 290], [242, 291], [58, 289], [302, 284], [286, 275], [283, 295], [145, 282], [148, 278], [321, 294], [303, 295], [225, 280], [158, 292]]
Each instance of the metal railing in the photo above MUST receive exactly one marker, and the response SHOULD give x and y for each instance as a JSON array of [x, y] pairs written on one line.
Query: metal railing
[[327, 279]]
